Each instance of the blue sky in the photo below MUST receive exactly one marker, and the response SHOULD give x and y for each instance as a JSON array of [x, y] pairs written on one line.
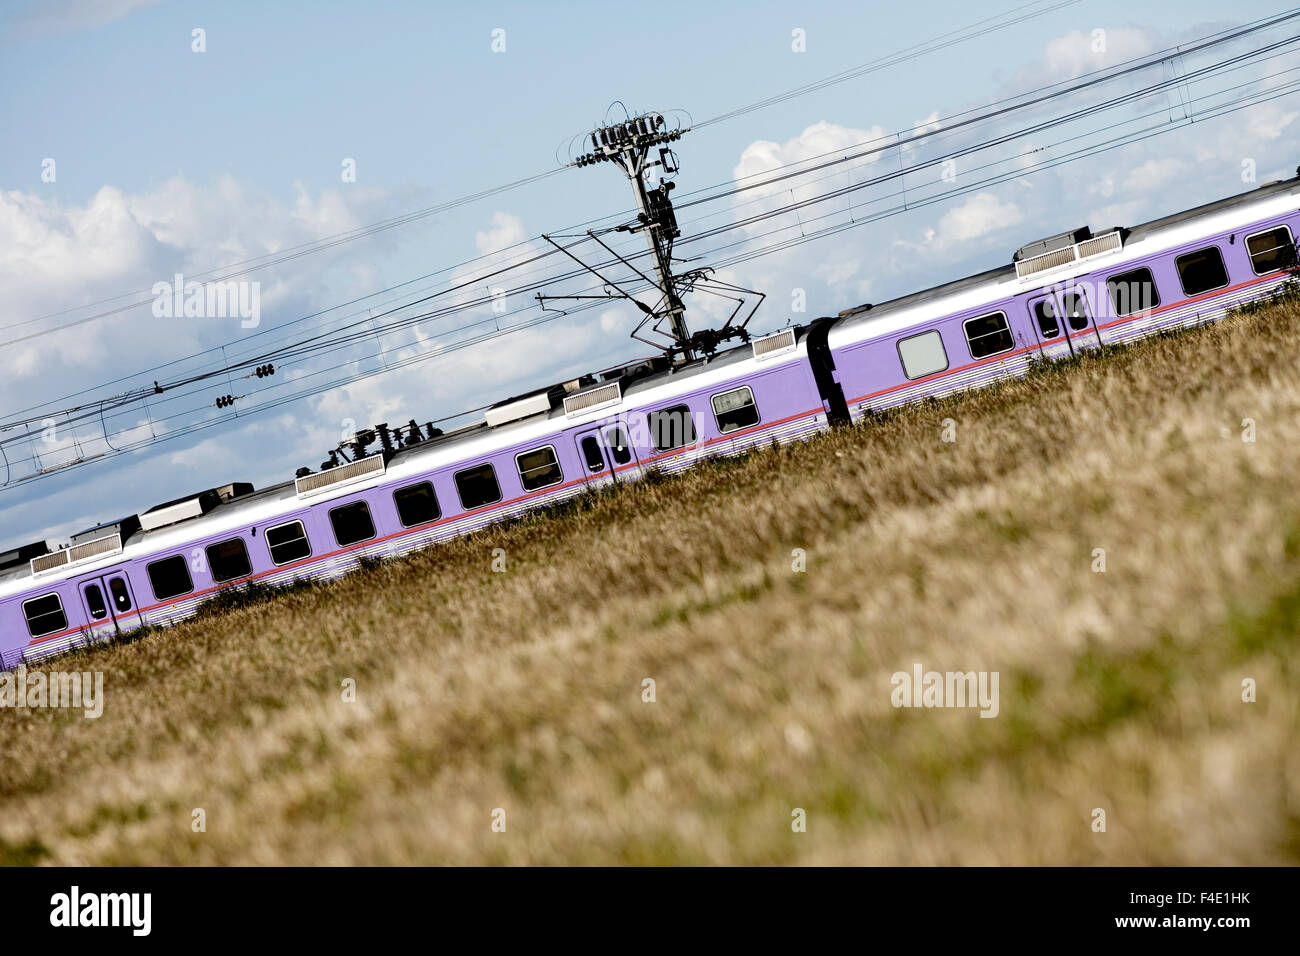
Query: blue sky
[[171, 160]]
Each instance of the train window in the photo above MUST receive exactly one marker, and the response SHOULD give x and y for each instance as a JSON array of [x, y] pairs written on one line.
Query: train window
[[671, 428], [352, 523], [538, 468], [416, 504], [735, 409], [922, 354], [1202, 271], [591, 454], [288, 542], [44, 615], [228, 560], [1045, 313], [477, 487], [121, 597], [988, 335], [95, 601], [1076, 311], [616, 442], [1133, 292], [170, 577], [1271, 251]]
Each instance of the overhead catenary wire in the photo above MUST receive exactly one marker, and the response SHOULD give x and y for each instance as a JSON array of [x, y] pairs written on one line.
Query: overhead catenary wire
[[305, 347], [252, 264], [542, 319], [337, 342]]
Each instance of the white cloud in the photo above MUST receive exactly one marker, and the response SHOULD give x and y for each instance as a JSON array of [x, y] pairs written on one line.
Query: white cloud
[[506, 230], [1077, 53], [981, 215]]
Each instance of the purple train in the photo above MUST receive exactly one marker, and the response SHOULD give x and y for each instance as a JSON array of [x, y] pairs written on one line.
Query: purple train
[[1069, 292]]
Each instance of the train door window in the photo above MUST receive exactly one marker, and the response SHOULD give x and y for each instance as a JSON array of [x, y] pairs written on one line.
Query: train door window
[[1202, 271], [922, 354], [416, 504], [45, 615], [671, 428], [288, 542], [1076, 311], [352, 523], [477, 487], [1045, 315], [538, 468], [228, 560], [95, 601], [1132, 292], [121, 596], [1271, 251], [616, 442], [170, 577], [592, 455], [735, 409], [988, 335]]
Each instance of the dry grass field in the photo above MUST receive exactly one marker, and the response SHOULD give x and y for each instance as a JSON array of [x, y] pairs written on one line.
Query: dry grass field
[[522, 690]]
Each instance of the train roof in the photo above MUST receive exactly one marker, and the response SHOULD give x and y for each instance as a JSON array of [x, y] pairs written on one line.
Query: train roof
[[540, 410], [638, 380], [1145, 239]]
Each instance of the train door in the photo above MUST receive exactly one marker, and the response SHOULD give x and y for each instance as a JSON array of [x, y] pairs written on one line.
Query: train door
[[604, 451], [1064, 321], [108, 601]]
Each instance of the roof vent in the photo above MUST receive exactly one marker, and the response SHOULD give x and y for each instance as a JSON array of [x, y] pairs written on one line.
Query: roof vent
[[770, 346], [1061, 240], [1048, 254], [593, 398], [77, 554], [343, 475]]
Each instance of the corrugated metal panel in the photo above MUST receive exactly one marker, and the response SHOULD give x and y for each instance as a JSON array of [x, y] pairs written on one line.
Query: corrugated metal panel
[[770, 346], [77, 554], [1070, 254], [592, 399], [352, 471], [1099, 244], [49, 562], [94, 549]]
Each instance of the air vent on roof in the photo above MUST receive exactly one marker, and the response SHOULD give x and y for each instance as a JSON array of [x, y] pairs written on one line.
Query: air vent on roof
[[48, 562], [593, 398], [342, 475], [77, 554], [770, 346], [1057, 256], [1061, 240], [519, 408]]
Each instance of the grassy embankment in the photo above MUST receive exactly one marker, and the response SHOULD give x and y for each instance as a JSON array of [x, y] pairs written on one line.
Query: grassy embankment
[[477, 690]]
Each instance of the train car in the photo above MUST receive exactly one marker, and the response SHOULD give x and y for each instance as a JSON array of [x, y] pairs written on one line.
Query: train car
[[1066, 294], [155, 568], [1059, 296]]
